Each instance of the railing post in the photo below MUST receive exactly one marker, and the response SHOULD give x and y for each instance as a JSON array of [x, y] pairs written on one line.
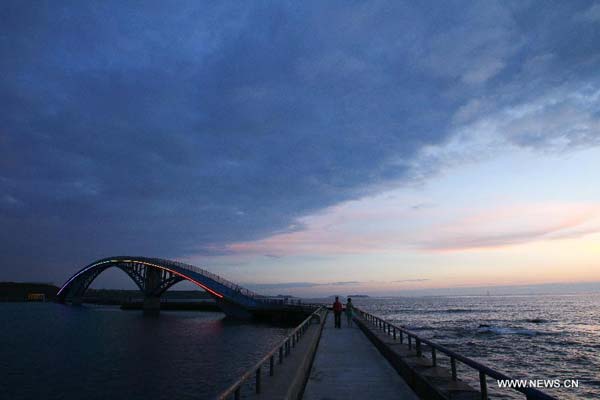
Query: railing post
[[236, 394], [401, 337], [272, 366], [281, 355], [453, 367], [409, 342], [433, 357], [394, 333], [258, 380], [483, 386], [418, 341]]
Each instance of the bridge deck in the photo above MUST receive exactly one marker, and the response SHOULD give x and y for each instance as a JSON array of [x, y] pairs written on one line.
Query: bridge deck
[[347, 366]]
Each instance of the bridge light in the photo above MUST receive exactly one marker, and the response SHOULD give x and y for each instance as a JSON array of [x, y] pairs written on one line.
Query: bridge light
[[219, 295]]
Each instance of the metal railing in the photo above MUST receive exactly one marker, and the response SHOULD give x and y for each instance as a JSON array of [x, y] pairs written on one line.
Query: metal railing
[[228, 284], [281, 351], [233, 286], [416, 342]]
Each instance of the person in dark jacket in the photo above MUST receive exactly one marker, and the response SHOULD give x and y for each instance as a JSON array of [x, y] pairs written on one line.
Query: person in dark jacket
[[337, 312]]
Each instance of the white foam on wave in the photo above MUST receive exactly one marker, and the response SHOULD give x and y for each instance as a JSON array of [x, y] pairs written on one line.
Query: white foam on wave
[[507, 331]]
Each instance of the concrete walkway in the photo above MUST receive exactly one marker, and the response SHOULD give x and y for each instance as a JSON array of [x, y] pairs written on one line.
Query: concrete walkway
[[347, 366]]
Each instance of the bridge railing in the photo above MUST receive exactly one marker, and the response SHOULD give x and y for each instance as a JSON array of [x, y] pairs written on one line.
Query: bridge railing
[[416, 342], [280, 351], [233, 286]]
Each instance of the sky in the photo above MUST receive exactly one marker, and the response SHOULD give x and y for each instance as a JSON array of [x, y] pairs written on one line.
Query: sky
[[304, 147]]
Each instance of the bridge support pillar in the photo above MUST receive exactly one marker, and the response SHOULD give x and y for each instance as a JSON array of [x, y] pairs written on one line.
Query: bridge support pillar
[[151, 305], [152, 280], [233, 310]]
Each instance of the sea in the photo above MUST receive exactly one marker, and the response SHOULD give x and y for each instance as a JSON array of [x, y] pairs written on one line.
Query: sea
[[548, 337], [53, 351]]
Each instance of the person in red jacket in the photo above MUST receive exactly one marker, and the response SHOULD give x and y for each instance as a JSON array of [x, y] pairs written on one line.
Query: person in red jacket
[[337, 312]]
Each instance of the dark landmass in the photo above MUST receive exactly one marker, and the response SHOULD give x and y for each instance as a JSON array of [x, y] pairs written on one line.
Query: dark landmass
[[18, 291], [118, 297], [359, 296]]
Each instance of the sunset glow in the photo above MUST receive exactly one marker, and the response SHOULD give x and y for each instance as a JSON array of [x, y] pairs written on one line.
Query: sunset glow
[[400, 146], [429, 236]]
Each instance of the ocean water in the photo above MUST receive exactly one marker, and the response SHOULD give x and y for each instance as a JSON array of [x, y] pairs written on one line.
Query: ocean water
[[52, 351], [532, 337]]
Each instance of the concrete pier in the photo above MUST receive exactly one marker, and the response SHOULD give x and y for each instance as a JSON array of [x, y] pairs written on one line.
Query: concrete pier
[[347, 365]]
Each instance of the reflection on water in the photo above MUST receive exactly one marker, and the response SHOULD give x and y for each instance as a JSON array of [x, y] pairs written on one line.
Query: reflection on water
[[52, 351]]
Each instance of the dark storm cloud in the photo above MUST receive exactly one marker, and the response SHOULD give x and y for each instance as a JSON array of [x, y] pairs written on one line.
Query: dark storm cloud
[[175, 128]]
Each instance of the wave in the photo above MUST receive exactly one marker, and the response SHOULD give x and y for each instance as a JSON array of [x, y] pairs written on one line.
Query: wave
[[439, 311], [419, 328], [464, 310], [498, 330], [535, 320]]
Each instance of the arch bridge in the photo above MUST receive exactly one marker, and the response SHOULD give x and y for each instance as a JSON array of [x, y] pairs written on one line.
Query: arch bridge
[[154, 276]]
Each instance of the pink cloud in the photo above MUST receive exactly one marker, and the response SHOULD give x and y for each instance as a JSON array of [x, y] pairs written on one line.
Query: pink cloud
[[506, 226], [352, 230]]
